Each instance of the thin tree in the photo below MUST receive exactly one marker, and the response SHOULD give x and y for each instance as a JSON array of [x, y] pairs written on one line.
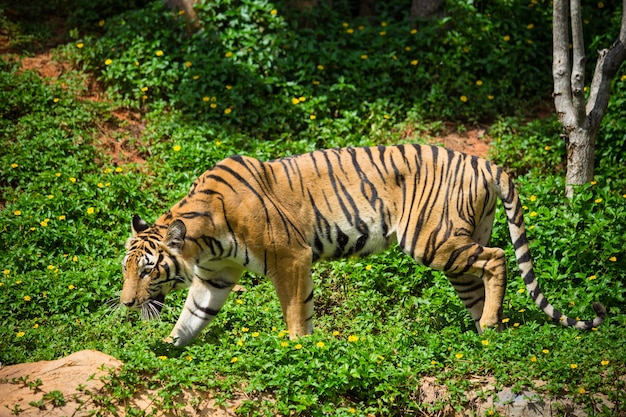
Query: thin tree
[[581, 118]]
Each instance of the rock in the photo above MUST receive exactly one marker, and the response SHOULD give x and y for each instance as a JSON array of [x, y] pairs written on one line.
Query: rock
[[56, 388]]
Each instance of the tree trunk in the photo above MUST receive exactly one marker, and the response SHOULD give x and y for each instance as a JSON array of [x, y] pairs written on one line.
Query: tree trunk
[[581, 120], [185, 6], [580, 158], [425, 9]]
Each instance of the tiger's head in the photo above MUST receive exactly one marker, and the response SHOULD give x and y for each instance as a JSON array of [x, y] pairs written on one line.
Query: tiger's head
[[153, 266]]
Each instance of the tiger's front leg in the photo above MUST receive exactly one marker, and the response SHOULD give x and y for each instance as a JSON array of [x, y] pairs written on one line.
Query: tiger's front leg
[[204, 300], [294, 287]]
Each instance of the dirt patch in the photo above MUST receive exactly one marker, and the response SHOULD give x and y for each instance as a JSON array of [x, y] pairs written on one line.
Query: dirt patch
[[120, 137], [472, 141], [45, 65]]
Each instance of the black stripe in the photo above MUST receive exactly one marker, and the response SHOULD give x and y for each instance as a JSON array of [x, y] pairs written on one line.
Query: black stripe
[[470, 305], [206, 310], [309, 298], [468, 290], [220, 284]]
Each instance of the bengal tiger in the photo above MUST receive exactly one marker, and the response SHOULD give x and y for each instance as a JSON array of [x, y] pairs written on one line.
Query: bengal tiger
[[276, 218]]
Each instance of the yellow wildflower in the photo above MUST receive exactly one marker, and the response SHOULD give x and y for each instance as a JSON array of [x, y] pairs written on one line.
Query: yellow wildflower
[[27, 298], [108, 62], [159, 53], [352, 338]]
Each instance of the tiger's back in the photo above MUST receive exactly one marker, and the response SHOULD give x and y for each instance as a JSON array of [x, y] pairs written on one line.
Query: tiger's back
[[276, 218]]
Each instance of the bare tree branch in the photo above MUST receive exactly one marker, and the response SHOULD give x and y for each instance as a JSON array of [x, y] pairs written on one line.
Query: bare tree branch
[[578, 63], [609, 61], [561, 70]]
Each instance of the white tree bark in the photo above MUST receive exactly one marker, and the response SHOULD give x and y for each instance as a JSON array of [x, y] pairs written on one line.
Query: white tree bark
[[581, 119]]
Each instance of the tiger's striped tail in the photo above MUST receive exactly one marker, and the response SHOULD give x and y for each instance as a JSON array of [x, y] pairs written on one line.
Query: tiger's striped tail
[[514, 213]]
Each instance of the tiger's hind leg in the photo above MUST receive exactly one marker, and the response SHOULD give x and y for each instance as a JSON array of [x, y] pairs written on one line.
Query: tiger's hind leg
[[471, 291], [478, 274], [471, 288]]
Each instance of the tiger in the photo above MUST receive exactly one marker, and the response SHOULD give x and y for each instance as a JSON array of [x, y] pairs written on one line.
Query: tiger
[[277, 218]]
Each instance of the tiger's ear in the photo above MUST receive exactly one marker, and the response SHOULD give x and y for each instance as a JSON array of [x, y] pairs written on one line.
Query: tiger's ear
[[138, 225], [175, 236]]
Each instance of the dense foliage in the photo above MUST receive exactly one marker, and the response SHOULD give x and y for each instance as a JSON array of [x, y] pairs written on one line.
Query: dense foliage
[[263, 80]]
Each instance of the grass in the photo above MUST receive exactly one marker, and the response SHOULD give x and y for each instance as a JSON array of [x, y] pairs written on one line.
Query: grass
[[383, 322]]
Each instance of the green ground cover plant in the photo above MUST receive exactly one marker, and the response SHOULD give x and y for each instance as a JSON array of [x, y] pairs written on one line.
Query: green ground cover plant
[[255, 83]]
